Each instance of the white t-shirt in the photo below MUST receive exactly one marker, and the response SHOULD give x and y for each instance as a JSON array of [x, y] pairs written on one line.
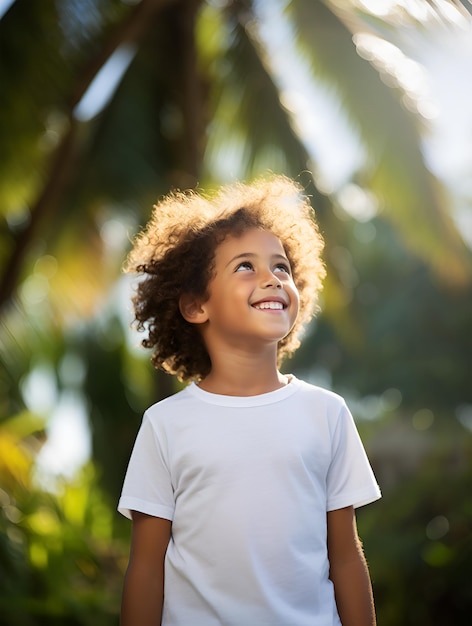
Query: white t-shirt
[[247, 482]]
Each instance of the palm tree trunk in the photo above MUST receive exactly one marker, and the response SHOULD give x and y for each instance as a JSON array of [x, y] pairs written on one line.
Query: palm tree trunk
[[64, 159]]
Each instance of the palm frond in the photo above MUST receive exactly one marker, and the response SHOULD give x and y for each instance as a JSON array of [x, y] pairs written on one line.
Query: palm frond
[[410, 196]]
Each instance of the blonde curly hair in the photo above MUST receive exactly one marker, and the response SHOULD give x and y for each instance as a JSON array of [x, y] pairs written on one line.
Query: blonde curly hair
[[175, 256]]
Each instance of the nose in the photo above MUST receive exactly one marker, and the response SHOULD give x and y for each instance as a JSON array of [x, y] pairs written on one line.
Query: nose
[[271, 280]]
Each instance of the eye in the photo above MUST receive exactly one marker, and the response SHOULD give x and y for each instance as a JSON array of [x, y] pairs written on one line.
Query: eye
[[244, 267], [282, 267]]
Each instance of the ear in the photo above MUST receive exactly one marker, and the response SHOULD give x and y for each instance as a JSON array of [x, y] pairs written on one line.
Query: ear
[[191, 309]]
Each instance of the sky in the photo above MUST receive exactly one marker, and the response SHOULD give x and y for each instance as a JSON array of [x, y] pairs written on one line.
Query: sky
[[4, 6], [448, 148]]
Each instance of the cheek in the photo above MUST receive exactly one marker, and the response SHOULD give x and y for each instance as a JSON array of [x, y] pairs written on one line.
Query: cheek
[[294, 293], [295, 299]]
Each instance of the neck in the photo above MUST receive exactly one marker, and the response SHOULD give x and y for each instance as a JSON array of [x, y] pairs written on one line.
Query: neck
[[240, 374]]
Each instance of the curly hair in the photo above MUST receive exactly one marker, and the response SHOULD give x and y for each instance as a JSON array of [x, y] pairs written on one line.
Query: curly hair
[[175, 255]]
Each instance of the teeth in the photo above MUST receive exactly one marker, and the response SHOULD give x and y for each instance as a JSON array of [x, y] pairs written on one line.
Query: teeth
[[269, 305]]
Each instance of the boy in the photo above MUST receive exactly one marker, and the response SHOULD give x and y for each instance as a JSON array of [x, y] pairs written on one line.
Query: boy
[[241, 487]]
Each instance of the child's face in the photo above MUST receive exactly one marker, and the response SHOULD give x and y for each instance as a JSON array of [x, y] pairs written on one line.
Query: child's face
[[253, 300]]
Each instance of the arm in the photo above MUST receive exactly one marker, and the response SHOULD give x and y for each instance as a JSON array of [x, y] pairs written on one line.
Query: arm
[[348, 570], [143, 590]]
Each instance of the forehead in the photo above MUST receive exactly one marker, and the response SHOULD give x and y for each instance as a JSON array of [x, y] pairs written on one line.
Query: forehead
[[254, 241]]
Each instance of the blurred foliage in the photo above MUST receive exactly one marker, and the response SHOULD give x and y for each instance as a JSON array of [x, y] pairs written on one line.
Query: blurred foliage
[[60, 559], [417, 539], [411, 331], [200, 100]]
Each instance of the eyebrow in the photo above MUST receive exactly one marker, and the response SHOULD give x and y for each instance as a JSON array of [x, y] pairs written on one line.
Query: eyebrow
[[252, 255]]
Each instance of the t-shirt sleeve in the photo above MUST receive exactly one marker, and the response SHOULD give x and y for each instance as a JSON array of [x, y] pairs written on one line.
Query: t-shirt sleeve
[[350, 479], [147, 487]]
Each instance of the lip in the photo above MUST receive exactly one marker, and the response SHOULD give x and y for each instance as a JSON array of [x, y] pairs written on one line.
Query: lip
[[271, 299]]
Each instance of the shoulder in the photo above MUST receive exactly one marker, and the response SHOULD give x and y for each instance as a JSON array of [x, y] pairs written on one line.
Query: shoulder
[[318, 394], [179, 403]]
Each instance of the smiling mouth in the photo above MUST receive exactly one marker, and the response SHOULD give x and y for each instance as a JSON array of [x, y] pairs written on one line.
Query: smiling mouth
[[272, 306]]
